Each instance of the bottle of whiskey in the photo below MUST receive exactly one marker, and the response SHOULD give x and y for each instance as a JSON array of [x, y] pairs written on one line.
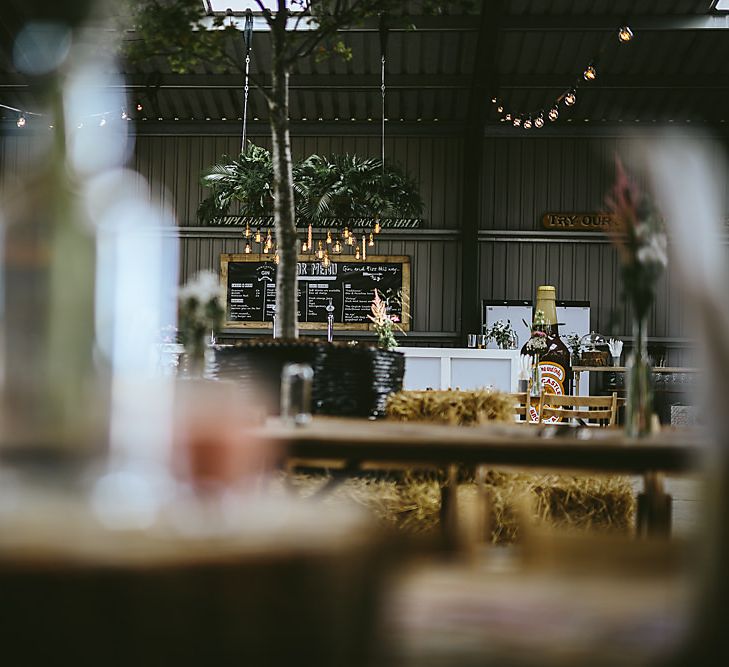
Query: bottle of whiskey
[[554, 361]]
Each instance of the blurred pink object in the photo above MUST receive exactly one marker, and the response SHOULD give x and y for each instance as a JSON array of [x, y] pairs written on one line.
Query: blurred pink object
[[213, 448]]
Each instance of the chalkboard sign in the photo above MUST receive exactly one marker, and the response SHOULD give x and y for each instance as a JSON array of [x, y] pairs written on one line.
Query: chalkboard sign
[[250, 284]]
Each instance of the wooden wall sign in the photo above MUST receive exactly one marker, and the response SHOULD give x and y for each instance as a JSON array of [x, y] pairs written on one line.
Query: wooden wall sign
[[250, 288], [578, 222]]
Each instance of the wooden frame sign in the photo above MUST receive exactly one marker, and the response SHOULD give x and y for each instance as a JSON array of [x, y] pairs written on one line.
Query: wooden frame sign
[[347, 283]]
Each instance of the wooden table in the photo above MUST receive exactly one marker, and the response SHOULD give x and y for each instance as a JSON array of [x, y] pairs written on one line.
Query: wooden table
[[578, 370], [356, 442]]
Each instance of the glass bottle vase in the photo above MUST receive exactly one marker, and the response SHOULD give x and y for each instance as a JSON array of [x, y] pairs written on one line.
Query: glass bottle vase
[[639, 384]]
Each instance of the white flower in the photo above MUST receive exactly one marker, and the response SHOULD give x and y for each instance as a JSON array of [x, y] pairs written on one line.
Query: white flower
[[655, 251], [204, 287]]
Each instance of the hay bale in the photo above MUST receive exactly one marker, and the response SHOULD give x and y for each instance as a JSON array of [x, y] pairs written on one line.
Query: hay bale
[[459, 408], [412, 503]]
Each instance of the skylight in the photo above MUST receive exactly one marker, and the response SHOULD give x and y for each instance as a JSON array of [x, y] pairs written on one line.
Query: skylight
[[238, 6]]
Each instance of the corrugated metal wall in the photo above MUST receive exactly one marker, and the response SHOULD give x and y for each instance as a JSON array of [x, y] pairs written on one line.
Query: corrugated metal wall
[[523, 178]]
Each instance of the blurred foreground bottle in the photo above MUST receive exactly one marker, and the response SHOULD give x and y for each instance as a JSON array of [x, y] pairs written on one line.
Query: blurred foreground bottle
[[51, 397]]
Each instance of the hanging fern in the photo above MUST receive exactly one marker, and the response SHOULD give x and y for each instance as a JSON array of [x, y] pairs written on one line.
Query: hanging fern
[[338, 186]]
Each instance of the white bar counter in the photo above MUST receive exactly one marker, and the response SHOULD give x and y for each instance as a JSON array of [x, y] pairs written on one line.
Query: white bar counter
[[462, 368]]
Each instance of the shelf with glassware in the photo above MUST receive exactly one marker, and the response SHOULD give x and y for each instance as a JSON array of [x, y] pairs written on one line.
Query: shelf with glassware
[[663, 370]]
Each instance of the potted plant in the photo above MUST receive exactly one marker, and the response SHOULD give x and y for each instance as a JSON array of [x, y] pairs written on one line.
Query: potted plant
[[503, 334]]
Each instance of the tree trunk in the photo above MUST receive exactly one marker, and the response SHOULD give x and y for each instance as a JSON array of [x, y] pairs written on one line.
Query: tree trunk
[[284, 216]]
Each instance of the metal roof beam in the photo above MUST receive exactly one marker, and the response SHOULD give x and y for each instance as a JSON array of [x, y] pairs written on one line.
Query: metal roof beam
[[608, 22], [297, 81], [618, 81]]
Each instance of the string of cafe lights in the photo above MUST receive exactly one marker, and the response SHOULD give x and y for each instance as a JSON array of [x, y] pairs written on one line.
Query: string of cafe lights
[[537, 118], [101, 119]]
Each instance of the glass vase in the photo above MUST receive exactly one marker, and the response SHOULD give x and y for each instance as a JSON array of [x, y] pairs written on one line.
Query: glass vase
[[535, 389], [639, 384]]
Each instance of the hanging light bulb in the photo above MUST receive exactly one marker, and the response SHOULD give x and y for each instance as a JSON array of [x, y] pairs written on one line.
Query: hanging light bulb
[[350, 240], [553, 113], [21, 121], [124, 114], [325, 261], [310, 237], [570, 98], [499, 109], [590, 73], [139, 106], [102, 122], [528, 124], [493, 100], [269, 240], [320, 251], [378, 227], [337, 246], [247, 249], [539, 121], [257, 237], [247, 232], [329, 238], [507, 117], [625, 34], [79, 126], [265, 249], [356, 253], [371, 243], [517, 121], [276, 258], [345, 232], [364, 246], [304, 247]]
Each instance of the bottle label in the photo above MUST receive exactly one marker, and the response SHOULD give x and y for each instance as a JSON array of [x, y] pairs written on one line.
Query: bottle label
[[553, 376]]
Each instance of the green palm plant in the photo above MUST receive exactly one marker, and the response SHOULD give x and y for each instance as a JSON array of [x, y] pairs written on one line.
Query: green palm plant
[[338, 186], [246, 181]]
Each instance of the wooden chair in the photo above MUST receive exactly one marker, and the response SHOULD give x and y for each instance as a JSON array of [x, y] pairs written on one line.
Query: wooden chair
[[589, 410], [522, 403]]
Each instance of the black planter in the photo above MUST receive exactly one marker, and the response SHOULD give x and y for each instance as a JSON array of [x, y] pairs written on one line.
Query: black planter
[[355, 381], [349, 380]]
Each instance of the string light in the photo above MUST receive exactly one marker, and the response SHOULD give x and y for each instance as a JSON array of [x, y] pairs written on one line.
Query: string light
[[500, 109], [553, 113], [320, 251], [539, 121], [257, 237], [364, 246], [247, 249], [528, 124], [102, 122], [310, 237], [304, 248], [345, 232], [337, 248], [124, 115], [625, 34], [247, 232], [139, 106], [590, 73], [371, 243], [329, 238], [517, 121], [378, 227], [350, 240], [356, 253], [570, 98], [21, 121]]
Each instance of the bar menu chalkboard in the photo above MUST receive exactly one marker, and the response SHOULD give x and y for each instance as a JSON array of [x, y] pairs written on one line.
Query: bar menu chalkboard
[[250, 283]]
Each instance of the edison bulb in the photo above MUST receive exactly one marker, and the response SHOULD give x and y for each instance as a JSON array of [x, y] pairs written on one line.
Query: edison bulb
[[500, 109], [356, 253], [257, 237], [21, 121], [371, 243], [276, 258], [247, 233], [304, 247], [378, 227], [329, 238], [539, 121], [570, 98], [517, 121], [247, 249], [553, 113], [337, 246], [625, 34], [507, 117], [590, 73], [528, 124]]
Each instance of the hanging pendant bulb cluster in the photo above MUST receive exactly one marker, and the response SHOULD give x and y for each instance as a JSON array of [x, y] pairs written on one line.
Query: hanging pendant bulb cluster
[[568, 98]]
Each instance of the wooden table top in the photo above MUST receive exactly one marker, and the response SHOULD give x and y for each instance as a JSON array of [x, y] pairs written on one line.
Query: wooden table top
[[359, 440]]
